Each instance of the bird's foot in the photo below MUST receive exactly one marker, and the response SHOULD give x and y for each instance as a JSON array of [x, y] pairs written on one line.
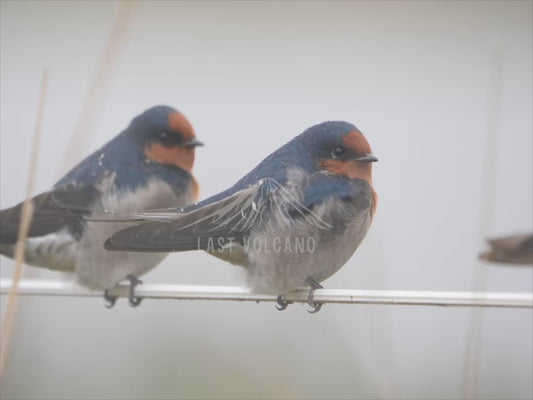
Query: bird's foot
[[282, 303], [110, 300], [315, 304], [133, 300]]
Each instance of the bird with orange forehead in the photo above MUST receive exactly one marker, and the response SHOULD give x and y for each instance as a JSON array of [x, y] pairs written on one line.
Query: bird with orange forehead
[[293, 221], [148, 165]]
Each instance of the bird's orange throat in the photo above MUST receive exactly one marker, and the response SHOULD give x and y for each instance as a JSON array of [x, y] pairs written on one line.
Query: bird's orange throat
[[350, 169], [179, 156]]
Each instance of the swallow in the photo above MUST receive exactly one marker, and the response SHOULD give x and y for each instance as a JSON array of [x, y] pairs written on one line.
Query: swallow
[[293, 221], [147, 165], [514, 249]]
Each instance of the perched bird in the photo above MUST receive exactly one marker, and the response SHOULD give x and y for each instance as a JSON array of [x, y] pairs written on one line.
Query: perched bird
[[148, 165], [514, 249], [293, 221]]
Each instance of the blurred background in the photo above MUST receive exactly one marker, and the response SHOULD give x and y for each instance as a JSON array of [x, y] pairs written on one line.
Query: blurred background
[[443, 92]]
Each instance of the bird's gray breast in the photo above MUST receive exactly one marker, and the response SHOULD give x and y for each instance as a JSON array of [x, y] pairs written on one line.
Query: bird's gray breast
[[314, 245]]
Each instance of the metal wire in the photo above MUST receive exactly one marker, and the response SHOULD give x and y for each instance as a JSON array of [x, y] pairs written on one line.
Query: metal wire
[[232, 293]]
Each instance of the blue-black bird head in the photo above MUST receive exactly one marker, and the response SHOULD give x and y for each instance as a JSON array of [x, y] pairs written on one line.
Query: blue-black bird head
[[340, 148], [165, 136]]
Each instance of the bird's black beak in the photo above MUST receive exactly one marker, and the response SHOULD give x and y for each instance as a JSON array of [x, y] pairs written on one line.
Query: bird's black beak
[[367, 158], [192, 143]]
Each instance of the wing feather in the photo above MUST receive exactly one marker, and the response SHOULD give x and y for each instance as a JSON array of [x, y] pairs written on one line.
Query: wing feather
[[55, 210], [266, 204]]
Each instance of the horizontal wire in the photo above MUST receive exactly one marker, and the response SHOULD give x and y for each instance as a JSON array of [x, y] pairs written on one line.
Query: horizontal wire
[[233, 293]]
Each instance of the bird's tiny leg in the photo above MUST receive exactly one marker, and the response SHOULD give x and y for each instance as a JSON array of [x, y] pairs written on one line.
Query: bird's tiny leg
[[282, 303], [133, 300], [314, 286], [110, 300]]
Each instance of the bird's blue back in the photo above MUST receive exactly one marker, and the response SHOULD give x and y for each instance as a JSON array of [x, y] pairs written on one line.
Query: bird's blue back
[[299, 152], [124, 157]]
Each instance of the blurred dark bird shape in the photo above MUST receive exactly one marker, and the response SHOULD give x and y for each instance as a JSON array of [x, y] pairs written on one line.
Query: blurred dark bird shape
[[515, 249]]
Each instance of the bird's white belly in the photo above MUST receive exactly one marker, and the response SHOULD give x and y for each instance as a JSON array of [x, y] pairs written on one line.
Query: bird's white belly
[[97, 268]]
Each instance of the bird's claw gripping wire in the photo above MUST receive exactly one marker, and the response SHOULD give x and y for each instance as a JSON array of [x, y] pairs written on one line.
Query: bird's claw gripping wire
[[110, 300], [315, 304], [133, 300], [282, 303]]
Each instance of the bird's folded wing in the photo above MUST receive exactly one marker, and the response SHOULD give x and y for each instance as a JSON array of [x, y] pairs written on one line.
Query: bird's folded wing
[[228, 220], [55, 210], [231, 216], [157, 214]]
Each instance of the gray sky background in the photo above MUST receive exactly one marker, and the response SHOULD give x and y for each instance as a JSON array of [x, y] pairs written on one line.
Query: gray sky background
[[443, 92]]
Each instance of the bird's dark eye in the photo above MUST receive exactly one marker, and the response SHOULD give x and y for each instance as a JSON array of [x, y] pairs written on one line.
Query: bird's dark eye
[[338, 152], [168, 139]]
